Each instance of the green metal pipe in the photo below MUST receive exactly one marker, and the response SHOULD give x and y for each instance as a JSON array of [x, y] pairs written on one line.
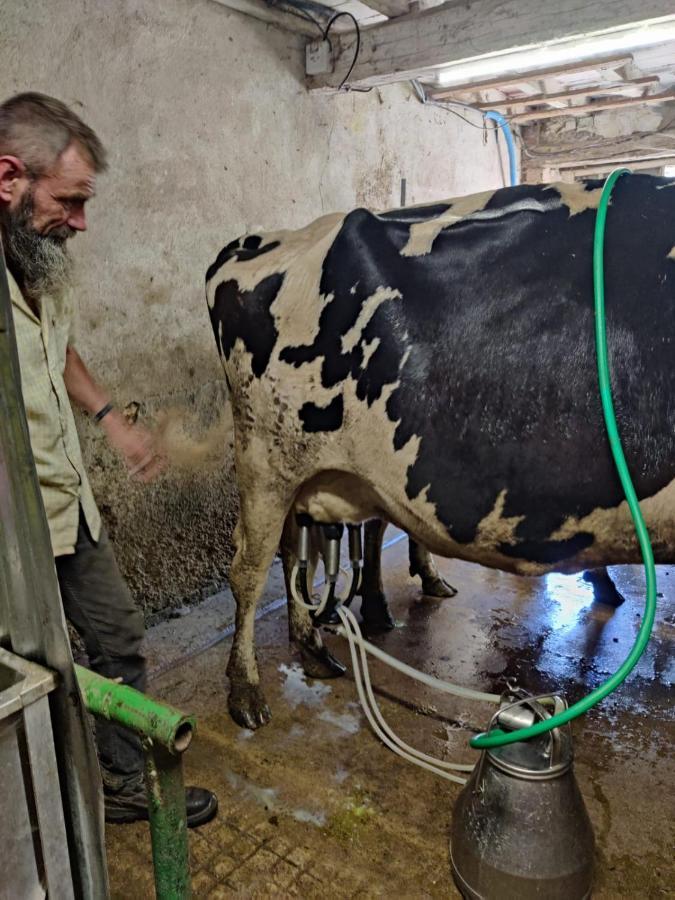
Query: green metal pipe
[[120, 703], [165, 733], [168, 826]]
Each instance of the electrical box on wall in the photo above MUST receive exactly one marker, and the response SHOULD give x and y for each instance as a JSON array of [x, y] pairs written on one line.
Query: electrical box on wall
[[318, 58]]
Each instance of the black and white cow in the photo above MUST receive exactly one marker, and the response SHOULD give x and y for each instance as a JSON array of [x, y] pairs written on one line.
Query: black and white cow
[[435, 367]]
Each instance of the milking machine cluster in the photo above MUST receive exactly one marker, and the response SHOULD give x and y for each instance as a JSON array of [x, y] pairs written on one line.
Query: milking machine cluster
[[520, 828]]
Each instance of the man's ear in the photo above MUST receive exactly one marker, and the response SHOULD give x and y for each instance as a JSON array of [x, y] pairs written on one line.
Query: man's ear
[[13, 177]]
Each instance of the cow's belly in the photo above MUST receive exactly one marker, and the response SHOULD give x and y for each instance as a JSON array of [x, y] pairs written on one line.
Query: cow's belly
[[345, 497]]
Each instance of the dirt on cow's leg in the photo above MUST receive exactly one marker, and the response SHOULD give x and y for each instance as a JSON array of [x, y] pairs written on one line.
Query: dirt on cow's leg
[[317, 662], [374, 608], [604, 589], [422, 563], [257, 537]]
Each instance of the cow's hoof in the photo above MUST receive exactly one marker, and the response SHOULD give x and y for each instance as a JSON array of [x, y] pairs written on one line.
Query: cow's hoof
[[378, 624], [604, 589], [375, 615], [248, 707], [320, 663], [437, 587]]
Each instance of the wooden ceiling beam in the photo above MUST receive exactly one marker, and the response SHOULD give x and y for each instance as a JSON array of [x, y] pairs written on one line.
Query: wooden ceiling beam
[[475, 30], [585, 109], [389, 8], [655, 163], [627, 158], [590, 65], [524, 102]]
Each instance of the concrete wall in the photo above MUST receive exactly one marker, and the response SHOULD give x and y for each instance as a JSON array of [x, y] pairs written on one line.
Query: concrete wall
[[211, 133]]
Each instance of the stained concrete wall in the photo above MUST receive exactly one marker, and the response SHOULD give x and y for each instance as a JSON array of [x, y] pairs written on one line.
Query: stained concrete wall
[[211, 133]]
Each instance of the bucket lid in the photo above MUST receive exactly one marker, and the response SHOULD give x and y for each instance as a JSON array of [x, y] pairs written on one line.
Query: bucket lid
[[544, 756]]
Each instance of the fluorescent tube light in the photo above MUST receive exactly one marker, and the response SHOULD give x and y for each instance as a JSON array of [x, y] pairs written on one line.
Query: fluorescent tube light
[[557, 53]]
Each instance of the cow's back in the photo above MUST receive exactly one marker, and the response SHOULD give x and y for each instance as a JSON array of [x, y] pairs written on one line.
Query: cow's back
[[463, 333]]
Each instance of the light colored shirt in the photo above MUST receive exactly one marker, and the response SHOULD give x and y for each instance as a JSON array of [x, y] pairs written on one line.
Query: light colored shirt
[[42, 344]]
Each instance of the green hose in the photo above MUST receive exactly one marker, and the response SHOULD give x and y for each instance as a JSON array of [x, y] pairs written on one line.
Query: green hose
[[497, 737]]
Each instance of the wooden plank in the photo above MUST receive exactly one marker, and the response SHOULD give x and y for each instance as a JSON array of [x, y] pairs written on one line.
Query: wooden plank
[[601, 64], [586, 108], [628, 158], [473, 29], [389, 8], [524, 102], [260, 10], [656, 163]]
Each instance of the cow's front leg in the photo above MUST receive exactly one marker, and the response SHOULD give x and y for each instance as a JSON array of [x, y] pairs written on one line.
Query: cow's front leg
[[422, 564], [374, 607], [317, 662], [257, 537]]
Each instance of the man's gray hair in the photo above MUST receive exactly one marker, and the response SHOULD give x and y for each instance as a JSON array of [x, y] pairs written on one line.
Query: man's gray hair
[[37, 129]]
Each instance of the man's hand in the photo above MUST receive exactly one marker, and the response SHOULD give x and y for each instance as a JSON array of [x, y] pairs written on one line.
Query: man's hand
[[136, 444]]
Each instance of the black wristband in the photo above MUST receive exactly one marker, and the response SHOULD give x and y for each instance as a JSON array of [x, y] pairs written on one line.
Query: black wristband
[[103, 412]]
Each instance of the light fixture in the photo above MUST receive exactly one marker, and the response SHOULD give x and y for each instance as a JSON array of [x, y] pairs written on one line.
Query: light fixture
[[558, 53]]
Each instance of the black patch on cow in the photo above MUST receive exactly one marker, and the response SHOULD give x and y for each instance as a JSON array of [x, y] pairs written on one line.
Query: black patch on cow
[[246, 315], [234, 250], [414, 214], [493, 344], [323, 418], [548, 552]]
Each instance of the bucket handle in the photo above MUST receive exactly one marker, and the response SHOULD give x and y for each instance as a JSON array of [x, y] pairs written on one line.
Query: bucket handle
[[537, 706]]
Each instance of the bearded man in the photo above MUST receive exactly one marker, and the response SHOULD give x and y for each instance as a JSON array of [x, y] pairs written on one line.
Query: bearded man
[[49, 160]]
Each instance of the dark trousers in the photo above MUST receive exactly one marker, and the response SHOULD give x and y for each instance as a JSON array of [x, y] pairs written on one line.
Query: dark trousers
[[98, 604]]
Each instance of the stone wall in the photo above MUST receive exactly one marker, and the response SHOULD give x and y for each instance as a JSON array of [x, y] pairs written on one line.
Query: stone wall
[[211, 133]]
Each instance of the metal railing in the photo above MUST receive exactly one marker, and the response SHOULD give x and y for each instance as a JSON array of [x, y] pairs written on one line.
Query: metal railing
[[165, 733]]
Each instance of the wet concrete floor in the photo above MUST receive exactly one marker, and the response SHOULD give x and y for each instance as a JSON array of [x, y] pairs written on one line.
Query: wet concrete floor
[[313, 805]]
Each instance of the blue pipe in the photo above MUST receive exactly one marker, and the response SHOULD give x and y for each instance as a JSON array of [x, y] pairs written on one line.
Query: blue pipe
[[508, 135]]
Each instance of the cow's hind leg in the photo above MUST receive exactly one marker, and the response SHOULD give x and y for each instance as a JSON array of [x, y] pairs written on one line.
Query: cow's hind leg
[[422, 564], [604, 589], [374, 608], [256, 538], [317, 662]]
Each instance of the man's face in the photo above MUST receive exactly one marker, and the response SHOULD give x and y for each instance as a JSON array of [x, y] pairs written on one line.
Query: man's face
[[60, 194], [43, 213]]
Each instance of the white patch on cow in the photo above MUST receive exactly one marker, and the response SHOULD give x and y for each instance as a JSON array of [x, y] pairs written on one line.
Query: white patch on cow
[[575, 197], [496, 529], [337, 497], [301, 281], [661, 187], [296, 690], [368, 310], [423, 234], [671, 255], [368, 350], [615, 541]]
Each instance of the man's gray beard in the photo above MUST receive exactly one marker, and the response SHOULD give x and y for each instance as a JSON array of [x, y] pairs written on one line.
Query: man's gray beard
[[41, 261]]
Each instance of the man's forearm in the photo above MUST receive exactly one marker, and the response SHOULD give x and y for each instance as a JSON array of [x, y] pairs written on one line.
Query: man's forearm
[[82, 389], [135, 443]]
